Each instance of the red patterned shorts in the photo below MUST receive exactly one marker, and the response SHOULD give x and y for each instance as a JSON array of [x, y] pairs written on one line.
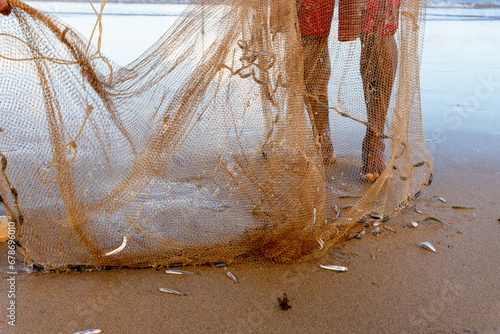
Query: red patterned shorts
[[369, 16]]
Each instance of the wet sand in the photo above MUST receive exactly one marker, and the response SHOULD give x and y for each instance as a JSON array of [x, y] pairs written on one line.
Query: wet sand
[[392, 285]]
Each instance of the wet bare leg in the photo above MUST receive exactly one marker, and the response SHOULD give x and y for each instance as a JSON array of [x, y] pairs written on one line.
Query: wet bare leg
[[320, 113], [378, 70], [316, 76]]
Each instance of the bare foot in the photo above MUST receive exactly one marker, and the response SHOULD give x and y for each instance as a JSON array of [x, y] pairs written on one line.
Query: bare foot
[[373, 157], [327, 152]]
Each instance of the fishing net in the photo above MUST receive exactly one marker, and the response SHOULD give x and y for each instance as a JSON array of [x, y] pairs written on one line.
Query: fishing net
[[219, 143]]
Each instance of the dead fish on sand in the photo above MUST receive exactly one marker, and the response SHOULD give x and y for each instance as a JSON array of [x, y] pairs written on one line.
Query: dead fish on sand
[[427, 245], [356, 235], [172, 291], [332, 267], [359, 235], [119, 249], [434, 219], [221, 265], [231, 276], [179, 272], [389, 228], [462, 207], [442, 200], [89, 331], [376, 230], [337, 211]]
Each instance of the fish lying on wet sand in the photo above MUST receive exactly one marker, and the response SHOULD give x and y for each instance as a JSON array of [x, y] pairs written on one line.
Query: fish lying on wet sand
[[231, 276], [119, 249], [179, 272], [427, 245], [332, 267], [172, 292], [89, 331]]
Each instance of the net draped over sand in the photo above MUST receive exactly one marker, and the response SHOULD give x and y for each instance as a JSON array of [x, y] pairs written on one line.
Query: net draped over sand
[[202, 150]]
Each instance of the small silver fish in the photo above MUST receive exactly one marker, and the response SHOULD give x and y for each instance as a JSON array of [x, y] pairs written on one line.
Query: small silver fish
[[376, 230], [375, 224], [359, 235], [418, 210], [356, 235], [389, 228], [463, 207], [332, 267], [120, 248], [220, 264], [413, 224], [427, 245], [442, 200], [434, 219], [178, 272], [231, 276], [172, 291], [336, 209], [376, 216], [89, 331]]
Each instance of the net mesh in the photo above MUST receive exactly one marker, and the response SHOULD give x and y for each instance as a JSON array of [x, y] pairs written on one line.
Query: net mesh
[[219, 143]]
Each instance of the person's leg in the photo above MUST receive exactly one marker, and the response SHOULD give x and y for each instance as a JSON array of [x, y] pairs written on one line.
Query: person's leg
[[4, 7], [316, 76], [378, 70]]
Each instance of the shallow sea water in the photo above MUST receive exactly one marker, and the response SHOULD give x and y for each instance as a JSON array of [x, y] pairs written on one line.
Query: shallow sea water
[[130, 28]]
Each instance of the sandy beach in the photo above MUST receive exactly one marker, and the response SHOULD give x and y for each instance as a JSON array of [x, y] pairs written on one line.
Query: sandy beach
[[392, 284]]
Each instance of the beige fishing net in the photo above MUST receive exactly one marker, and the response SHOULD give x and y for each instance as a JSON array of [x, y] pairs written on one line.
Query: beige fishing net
[[249, 133]]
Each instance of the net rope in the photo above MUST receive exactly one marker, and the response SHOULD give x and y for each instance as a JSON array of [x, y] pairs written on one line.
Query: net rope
[[212, 146]]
